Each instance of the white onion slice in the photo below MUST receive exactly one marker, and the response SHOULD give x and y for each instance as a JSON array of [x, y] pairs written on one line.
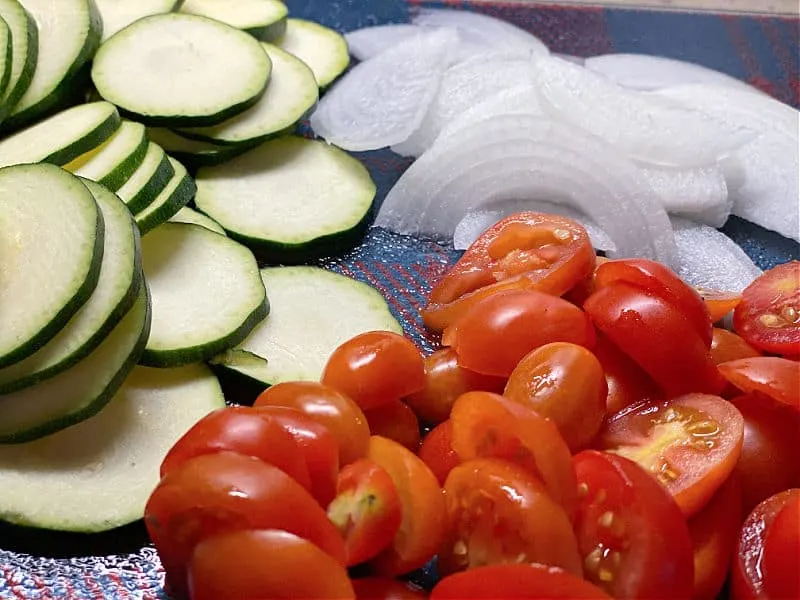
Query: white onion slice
[[707, 258], [527, 157], [482, 29], [763, 175], [578, 60], [368, 42], [697, 194], [381, 101], [647, 128], [646, 72]]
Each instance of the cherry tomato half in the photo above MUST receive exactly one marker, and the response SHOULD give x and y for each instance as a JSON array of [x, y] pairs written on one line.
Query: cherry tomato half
[[396, 421], [380, 588], [727, 346], [437, 451], [778, 378], [782, 552], [719, 304], [627, 382]]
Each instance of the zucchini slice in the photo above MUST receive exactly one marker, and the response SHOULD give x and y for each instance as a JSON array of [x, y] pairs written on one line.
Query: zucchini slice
[[98, 475], [51, 250], [191, 216], [112, 163], [24, 51], [176, 69], [148, 180], [79, 392], [291, 95], [322, 49], [312, 312], [116, 291], [290, 199], [263, 19], [6, 55], [195, 153], [206, 291], [118, 14], [63, 137], [69, 33], [178, 193]]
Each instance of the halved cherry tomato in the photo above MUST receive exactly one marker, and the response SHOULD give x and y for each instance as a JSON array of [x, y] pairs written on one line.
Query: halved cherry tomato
[[565, 383], [719, 304], [494, 335], [343, 418], [633, 538], [657, 279], [585, 288], [517, 582], [217, 493], [445, 381], [748, 575], [727, 346], [374, 368], [627, 382], [422, 527], [657, 336], [778, 378], [265, 564], [396, 421], [366, 510], [500, 513], [485, 425], [782, 552], [690, 444], [769, 314], [380, 588], [437, 451], [528, 251], [713, 531]]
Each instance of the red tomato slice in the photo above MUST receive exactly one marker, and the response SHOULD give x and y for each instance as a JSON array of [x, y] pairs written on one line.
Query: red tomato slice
[[655, 278], [634, 319], [719, 304], [690, 444], [366, 510], [437, 451], [769, 314], [727, 346], [499, 513], [627, 382], [778, 378], [516, 582], [782, 552], [265, 564], [396, 421], [527, 251], [486, 425], [379, 588], [496, 333], [631, 534]]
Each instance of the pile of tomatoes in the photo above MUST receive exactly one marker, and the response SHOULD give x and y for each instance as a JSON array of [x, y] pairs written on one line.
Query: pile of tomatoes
[[592, 435]]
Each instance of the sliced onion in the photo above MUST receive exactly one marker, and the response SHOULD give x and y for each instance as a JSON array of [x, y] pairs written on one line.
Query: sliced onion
[[697, 194], [527, 157], [647, 128], [707, 258], [368, 42], [578, 60], [646, 72], [381, 101]]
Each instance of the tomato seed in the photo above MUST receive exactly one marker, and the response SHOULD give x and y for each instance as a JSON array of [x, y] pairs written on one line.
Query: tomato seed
[[583, 490], [771, 320], [606, 519]]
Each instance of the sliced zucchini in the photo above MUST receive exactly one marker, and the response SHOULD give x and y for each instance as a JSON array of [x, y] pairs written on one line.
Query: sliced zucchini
[[194, 153], [189, 215], [79, 392], [312, 311], [51, 249], [291, 95], [290, 199], [148, 180], [118, 14], [63, 137], [263, 19], [98, 475], [24, 50], [176, 69], [116, 291], [6, 55], [69, 33], [115, 161], [178, 193], [322, 49], [206, 291]]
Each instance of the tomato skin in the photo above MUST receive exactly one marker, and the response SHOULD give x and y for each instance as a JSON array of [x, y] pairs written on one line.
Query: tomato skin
[[525, 251], [624, 512], [223, 492], [564, 383], [518, 582], [499, 513], [437, 451], [374, 368], [366, 510], [719, 304], [782, 552], [423, 510], [632, 319], [496, 333], [396, 421], [778, 378], [380, 588], [691, 444], [341, 415], [627, 383], [727, 346], [445, 381], [231, 566], [585, 288], [768, 317]]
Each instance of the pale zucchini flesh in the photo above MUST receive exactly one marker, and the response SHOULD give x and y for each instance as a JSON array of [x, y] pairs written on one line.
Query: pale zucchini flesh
[[321, 48], [24, 52], [178, 193], [118, 14], [148, 180], [112, 163], [189, 215], [263, 19]]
